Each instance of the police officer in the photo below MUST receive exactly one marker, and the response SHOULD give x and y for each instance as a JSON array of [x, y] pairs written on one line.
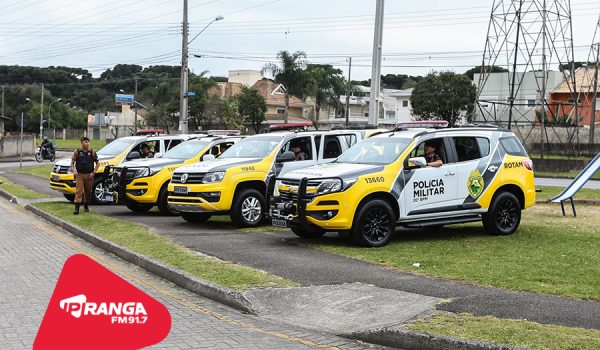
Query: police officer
[[84, 165], [431, 156]]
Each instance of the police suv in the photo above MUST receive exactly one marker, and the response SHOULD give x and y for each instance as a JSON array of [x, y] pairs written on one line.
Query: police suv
[[385, 181], [236, 182]]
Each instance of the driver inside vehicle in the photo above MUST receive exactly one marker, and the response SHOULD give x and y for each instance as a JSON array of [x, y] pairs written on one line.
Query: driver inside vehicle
[[145, 151], [296, 147], [431, 156]]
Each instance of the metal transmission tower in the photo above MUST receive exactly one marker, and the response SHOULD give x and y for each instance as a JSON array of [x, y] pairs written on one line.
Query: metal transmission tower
[[527, 38], [587, 78]]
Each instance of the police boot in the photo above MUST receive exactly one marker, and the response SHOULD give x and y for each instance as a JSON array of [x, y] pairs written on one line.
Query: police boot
[[85, 208], [76, 209]]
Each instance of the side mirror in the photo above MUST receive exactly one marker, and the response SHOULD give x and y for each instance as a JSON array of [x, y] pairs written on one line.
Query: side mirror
[[208, 157], [133, 155], [285, 157], [417, 162]]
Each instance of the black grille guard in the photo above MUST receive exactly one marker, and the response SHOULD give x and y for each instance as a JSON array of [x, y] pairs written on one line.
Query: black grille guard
[[122, 182], [302, 199]]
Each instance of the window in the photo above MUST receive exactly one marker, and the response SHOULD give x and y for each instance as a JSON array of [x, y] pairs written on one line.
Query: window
[[573, 100], [470, 148], [377, 151], [404, 103], [531, 103], [186, 150], [304, 144], [252, 147], [333, 147], [440, 149], [172, 143], [512, 146], [280, 111]]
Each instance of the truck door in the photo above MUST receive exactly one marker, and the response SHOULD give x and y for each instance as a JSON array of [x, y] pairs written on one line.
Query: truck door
[[470, 151], [429, 190], [306, 145]]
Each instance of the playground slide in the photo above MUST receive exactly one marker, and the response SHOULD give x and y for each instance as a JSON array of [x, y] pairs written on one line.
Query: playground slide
[[577, 183]]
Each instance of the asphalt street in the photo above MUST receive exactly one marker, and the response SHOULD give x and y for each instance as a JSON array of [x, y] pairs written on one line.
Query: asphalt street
[[31, 258], [283, 254]]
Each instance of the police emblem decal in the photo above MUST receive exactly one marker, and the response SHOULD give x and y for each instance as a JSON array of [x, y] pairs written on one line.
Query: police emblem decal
[[184, 178], [475, 184]]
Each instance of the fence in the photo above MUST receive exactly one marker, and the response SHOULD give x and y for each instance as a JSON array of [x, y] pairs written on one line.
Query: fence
[[9, 145], [64, 133]]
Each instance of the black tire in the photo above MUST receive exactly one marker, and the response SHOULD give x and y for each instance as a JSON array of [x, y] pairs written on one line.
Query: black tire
[[374, 224], [248, 209], [98, 192], [307, 232], [39, 157], [163, 204], [503, 216], [69, 197], [196, 217], [138, 207], [52, 157]]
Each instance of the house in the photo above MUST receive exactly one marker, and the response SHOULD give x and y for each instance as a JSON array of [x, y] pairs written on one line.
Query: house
[[495, 89], [273, 93], [394, 107], [562, 99], [112, 125]]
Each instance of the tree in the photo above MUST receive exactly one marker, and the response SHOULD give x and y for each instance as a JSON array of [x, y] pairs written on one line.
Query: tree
[[220, 113], [326, 84], [446, 95], [291, 73], [251, 107], [488, 69], [576, 64]]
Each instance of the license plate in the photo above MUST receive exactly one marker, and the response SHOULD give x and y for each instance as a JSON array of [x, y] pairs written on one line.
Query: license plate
[[279, 223], [55, 178], [181, 190], [108, 197]]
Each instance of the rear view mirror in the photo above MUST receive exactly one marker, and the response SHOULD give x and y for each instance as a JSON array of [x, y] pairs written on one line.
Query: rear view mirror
[[133, 155], [285, 157], [417, 162], [208, 157]]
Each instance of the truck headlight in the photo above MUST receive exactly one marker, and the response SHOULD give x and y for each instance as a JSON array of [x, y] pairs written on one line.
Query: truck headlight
[[334, 185], [142, 172], [216, 176]]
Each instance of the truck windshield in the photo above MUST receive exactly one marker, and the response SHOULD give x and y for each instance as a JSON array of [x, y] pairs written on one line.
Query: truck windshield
[[116, 147], [376, 151], [252, 147], [186, 150]]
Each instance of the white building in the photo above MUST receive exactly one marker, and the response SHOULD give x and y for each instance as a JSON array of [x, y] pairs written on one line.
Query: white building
[[493, 99]]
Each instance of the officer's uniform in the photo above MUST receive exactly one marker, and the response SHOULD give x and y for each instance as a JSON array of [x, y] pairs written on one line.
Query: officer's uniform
[[85, 165]]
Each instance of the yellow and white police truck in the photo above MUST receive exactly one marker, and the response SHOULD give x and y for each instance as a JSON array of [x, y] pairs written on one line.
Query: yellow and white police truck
[[385, 182], [236, 182], [142, 184]]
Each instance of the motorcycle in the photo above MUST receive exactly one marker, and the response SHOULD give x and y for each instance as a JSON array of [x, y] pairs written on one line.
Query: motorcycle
[[45, 153]]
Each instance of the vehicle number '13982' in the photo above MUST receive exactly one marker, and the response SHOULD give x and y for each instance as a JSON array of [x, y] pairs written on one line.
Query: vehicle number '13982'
[[371, 180]]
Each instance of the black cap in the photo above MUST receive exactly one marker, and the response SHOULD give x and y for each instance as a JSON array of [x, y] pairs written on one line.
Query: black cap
[[85, 138]]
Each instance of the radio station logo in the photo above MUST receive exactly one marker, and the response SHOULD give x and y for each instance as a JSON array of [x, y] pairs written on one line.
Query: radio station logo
[[93, 308]]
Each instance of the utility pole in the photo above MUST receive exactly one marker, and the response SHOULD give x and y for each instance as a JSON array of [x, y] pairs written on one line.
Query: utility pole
[[3, 100], [42, 114], [21, 144], [135, 106], [595, 96], [376, 65], [183, 102], [348, 91]]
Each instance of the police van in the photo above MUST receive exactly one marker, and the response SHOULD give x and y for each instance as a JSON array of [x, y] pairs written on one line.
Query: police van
[[236, 182], [121, 149], [142, 184], [480, 173]]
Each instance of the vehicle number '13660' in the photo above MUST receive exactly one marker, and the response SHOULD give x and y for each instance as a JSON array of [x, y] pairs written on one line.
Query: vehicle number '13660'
[[371, 180]]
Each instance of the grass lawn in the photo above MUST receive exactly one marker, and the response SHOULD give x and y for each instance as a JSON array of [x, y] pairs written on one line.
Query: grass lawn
[[509, 332], [568, 174], [72, 144], [19, 191], [551, 191], [266, 227], [548, 254], [555, 156], [42, 171], [139, 239]]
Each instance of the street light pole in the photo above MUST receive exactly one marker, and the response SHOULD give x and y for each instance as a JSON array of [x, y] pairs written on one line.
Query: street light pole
[[348, 91], [42, 113], [183, 98], [376, 65]]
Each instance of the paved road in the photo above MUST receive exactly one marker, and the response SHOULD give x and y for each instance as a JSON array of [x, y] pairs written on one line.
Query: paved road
[[28, 161], [33, 252], [544, 181], [281, 254]]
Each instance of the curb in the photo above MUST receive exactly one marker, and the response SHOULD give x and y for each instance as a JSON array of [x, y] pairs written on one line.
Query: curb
[[405, 339], [199, 286], [9, 196]]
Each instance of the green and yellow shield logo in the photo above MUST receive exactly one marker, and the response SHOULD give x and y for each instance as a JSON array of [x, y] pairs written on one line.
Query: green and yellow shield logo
[[475, 184]]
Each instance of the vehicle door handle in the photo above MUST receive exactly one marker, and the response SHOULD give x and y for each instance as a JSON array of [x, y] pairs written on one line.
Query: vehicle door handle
[[450, 173]]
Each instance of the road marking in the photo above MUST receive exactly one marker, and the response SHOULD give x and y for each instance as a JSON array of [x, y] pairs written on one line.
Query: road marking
[[181, 301]]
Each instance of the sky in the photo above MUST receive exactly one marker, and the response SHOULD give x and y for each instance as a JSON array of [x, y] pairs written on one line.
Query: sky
[[419, 36]]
